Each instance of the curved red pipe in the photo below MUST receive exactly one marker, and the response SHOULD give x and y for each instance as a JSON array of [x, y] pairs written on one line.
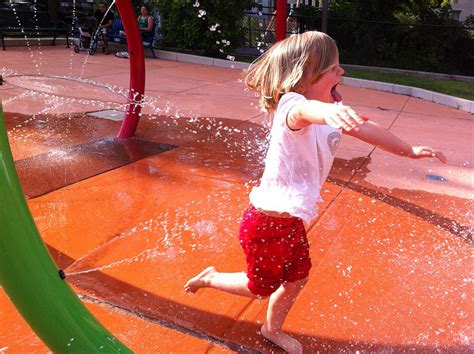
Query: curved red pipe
[[137, 68]]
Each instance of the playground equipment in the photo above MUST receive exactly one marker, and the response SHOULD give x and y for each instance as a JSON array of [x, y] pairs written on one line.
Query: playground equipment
[[137, 68], [27, 272], [280, 21], [31, 279]]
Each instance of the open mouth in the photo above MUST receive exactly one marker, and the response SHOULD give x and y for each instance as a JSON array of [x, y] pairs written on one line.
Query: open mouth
[[336, 95]]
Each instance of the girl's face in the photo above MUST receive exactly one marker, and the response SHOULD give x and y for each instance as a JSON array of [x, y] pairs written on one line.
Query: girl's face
[[324, 88], [143, 11]]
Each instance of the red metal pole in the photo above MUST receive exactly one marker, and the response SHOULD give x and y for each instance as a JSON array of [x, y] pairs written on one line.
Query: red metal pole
[[137, 68], [280, 21]]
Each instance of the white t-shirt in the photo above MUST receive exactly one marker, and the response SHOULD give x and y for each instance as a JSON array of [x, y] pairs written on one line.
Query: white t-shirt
[[296, 165]]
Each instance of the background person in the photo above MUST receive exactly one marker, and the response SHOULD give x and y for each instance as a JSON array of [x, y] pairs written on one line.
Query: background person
[[145, 23], [104, 22]]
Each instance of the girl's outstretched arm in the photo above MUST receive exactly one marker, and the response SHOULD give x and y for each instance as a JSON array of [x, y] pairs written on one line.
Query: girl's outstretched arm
[[316, 112], [376, 135]]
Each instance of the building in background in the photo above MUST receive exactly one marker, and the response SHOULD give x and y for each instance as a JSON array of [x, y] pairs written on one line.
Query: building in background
[[462, 9], [271, 3]]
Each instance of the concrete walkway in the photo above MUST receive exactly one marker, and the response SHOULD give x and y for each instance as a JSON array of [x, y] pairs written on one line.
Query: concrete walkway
[[131, 222]]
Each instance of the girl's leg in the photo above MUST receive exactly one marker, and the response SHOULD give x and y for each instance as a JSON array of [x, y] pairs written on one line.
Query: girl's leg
[[234, 283], [279, 305]]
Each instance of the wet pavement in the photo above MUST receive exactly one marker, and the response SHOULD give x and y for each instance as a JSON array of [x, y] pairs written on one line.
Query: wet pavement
[[130, 222]]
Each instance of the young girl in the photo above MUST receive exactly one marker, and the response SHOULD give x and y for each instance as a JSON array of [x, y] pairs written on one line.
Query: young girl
[[296, 79]]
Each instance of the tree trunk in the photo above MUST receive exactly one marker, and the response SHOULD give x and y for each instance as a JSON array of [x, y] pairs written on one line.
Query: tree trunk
[[53, 9]]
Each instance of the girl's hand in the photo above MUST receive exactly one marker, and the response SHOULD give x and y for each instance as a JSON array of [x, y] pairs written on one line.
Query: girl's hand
[[418, 152], [344, 117]]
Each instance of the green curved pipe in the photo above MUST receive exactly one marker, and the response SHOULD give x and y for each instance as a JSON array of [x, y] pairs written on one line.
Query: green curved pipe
[[30, 277]]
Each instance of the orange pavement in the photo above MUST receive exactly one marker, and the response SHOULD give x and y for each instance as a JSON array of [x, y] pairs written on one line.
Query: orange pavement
[[391, 250]]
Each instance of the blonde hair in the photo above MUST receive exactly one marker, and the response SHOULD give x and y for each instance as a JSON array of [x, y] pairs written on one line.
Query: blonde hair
[[289, 65]]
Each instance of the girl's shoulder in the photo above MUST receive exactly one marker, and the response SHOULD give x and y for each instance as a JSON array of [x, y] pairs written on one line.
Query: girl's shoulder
[[289, 99], [286, 102], [292, 95]]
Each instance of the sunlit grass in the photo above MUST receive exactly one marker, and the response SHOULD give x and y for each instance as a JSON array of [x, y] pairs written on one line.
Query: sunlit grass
[[449, 87]]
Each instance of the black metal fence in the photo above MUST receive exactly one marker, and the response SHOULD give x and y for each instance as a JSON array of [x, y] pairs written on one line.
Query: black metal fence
[[426, 47]]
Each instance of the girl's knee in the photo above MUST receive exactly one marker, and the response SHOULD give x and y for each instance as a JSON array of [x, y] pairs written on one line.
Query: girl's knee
[[296, 285], [260, 291], [303, 282]]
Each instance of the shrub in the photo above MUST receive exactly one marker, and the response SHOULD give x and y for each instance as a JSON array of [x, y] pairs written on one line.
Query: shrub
[[214, 32]]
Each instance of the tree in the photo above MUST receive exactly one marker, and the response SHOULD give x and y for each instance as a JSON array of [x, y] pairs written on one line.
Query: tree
[[411, 34]]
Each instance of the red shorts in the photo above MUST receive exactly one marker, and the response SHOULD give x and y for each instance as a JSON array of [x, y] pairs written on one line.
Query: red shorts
[[276, 250]]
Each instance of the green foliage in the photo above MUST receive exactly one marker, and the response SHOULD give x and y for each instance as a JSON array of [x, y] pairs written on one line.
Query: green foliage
[[365, 9], [469, 21], [408, 34], [183, 28], [309, 17]]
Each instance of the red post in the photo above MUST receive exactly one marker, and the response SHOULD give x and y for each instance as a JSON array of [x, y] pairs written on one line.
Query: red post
[[137, 68], [280, 21]]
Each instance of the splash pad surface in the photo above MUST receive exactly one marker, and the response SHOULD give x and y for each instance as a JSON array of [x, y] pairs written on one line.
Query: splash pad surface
[[391, 250], [80, 89]]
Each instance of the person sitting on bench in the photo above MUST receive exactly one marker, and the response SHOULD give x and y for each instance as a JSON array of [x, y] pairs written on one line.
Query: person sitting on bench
[[104, 21], [145, 23]]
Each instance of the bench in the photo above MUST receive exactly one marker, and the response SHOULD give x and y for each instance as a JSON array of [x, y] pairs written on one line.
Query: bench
[[28, 24], [117, 35]]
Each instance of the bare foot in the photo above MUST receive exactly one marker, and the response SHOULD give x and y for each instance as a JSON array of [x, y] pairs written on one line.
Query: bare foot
[[200, 280], [283, 340]]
